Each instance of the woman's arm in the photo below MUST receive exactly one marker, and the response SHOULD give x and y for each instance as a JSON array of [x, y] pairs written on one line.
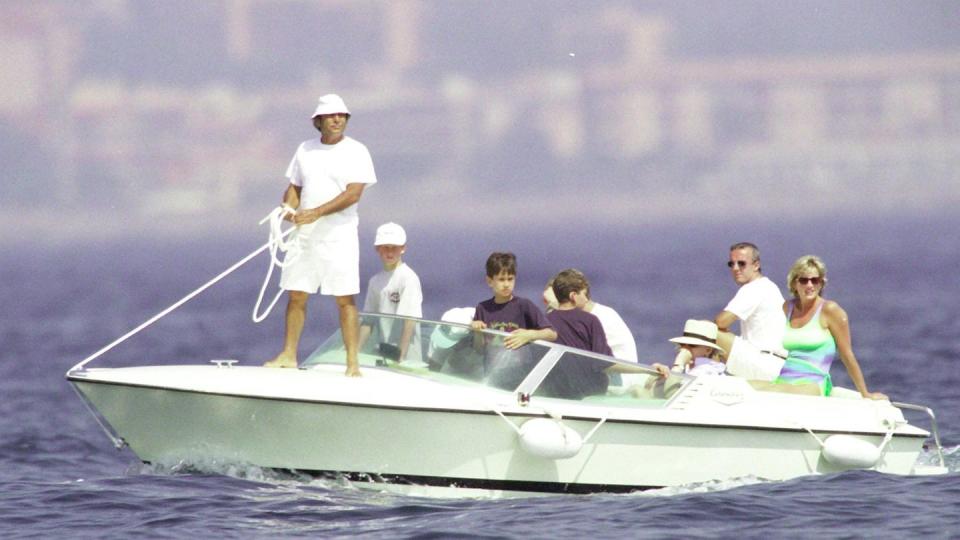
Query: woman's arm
[[839, 326]]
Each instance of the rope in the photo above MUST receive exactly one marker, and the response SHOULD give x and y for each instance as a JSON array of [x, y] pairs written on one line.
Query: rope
[[180, 302], [275, 243], [606, 414]]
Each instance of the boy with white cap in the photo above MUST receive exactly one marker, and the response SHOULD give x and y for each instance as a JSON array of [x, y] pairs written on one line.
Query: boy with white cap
[[326, 176], [395, 290]]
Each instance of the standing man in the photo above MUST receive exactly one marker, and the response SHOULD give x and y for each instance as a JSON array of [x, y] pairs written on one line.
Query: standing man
[[757, 353], [327, 176]]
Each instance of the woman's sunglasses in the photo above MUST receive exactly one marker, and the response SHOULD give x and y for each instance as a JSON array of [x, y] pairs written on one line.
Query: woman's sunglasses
[[806, 280]]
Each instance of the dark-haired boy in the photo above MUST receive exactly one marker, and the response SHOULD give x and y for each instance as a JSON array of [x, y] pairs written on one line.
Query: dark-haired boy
[[518, 316], [576, 377], [505, 366]]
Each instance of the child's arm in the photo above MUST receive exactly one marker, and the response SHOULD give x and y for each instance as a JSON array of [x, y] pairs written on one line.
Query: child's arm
[[477, 335], [364, 336], [405, 337], [519, 338], [663, 370]]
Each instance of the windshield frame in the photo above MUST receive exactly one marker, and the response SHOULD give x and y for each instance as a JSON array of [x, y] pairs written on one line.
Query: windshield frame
[[551, 354]]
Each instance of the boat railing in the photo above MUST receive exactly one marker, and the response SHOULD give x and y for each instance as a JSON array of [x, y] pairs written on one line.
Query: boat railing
[[455, 353], [933, 424]]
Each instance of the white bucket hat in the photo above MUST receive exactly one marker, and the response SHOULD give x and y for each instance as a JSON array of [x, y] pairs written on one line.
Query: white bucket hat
[[699, 333], [330, 104], [390, 234], [446, 336]]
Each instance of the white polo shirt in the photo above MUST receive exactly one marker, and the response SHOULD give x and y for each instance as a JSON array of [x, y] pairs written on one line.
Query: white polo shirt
[[759, 306]]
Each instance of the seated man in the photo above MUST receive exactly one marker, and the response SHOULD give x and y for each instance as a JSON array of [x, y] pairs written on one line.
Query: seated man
[[756, 354]]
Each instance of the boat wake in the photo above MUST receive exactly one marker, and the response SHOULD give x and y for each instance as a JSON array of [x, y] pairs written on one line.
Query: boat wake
[[254, 473], [710, 486], [205, 466], [951, 458], [240, 471]]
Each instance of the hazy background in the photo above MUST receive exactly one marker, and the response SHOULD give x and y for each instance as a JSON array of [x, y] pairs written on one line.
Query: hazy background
[[141, 141], [510, 117], [628, 139]]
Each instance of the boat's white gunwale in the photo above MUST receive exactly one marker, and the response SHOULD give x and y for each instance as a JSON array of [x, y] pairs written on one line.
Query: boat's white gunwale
[[572, 417]]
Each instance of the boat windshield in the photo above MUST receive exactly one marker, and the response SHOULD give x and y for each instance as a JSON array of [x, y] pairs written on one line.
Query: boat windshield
[[454, 354]]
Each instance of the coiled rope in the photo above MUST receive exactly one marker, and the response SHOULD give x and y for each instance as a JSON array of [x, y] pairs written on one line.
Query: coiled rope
[[275, 244]]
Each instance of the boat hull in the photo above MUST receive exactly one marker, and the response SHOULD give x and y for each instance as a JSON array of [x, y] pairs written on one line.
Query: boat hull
[[469, 443]]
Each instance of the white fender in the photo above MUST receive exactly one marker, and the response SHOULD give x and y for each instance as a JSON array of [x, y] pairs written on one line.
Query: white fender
[[549, 439], [849, 451]]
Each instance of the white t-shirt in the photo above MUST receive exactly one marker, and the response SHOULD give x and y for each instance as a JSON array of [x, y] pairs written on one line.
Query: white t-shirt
[[759, 306], [396, 292], [619, 337], [322, 171]]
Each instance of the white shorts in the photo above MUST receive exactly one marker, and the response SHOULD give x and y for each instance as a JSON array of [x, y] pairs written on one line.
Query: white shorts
[[330, 266], [748, 361]]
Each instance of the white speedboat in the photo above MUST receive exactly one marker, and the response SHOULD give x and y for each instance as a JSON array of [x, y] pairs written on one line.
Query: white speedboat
[[469, 415]]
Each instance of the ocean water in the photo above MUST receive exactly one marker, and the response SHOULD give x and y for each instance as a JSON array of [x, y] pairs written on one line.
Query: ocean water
[[60, 476]]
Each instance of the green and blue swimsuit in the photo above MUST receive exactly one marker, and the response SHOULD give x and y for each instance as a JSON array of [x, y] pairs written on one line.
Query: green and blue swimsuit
[[811, 350]]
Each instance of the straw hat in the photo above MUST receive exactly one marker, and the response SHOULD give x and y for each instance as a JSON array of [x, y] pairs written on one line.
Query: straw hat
[[698, 333]]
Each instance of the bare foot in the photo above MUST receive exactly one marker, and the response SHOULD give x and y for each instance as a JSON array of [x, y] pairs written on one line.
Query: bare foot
[[353, 371], [282, 361]]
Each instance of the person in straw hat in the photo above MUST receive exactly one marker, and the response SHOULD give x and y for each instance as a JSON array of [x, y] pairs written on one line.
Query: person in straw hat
[[697, 350]]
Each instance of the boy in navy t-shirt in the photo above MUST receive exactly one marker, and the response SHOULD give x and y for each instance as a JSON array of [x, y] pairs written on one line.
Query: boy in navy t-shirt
[[522, 319], [575, 377], [519, 317]]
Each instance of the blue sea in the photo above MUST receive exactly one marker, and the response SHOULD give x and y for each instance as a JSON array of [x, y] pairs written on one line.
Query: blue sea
[[61, 477]]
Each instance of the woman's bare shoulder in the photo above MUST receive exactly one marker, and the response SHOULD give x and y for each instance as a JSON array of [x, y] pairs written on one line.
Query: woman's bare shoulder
[[833, 310]]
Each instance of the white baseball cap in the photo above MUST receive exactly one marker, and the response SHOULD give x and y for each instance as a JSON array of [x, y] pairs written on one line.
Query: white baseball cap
[[330, 104], [390, 234], [445, 336]]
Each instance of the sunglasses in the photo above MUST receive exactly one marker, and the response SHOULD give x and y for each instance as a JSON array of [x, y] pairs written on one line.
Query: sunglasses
[[741, 264], [806, 280]]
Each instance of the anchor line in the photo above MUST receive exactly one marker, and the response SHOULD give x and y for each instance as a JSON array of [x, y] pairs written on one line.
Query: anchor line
[[80, 365]]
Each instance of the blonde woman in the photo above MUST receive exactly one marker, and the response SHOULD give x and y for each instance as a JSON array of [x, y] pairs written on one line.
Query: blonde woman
[[817, 332]]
